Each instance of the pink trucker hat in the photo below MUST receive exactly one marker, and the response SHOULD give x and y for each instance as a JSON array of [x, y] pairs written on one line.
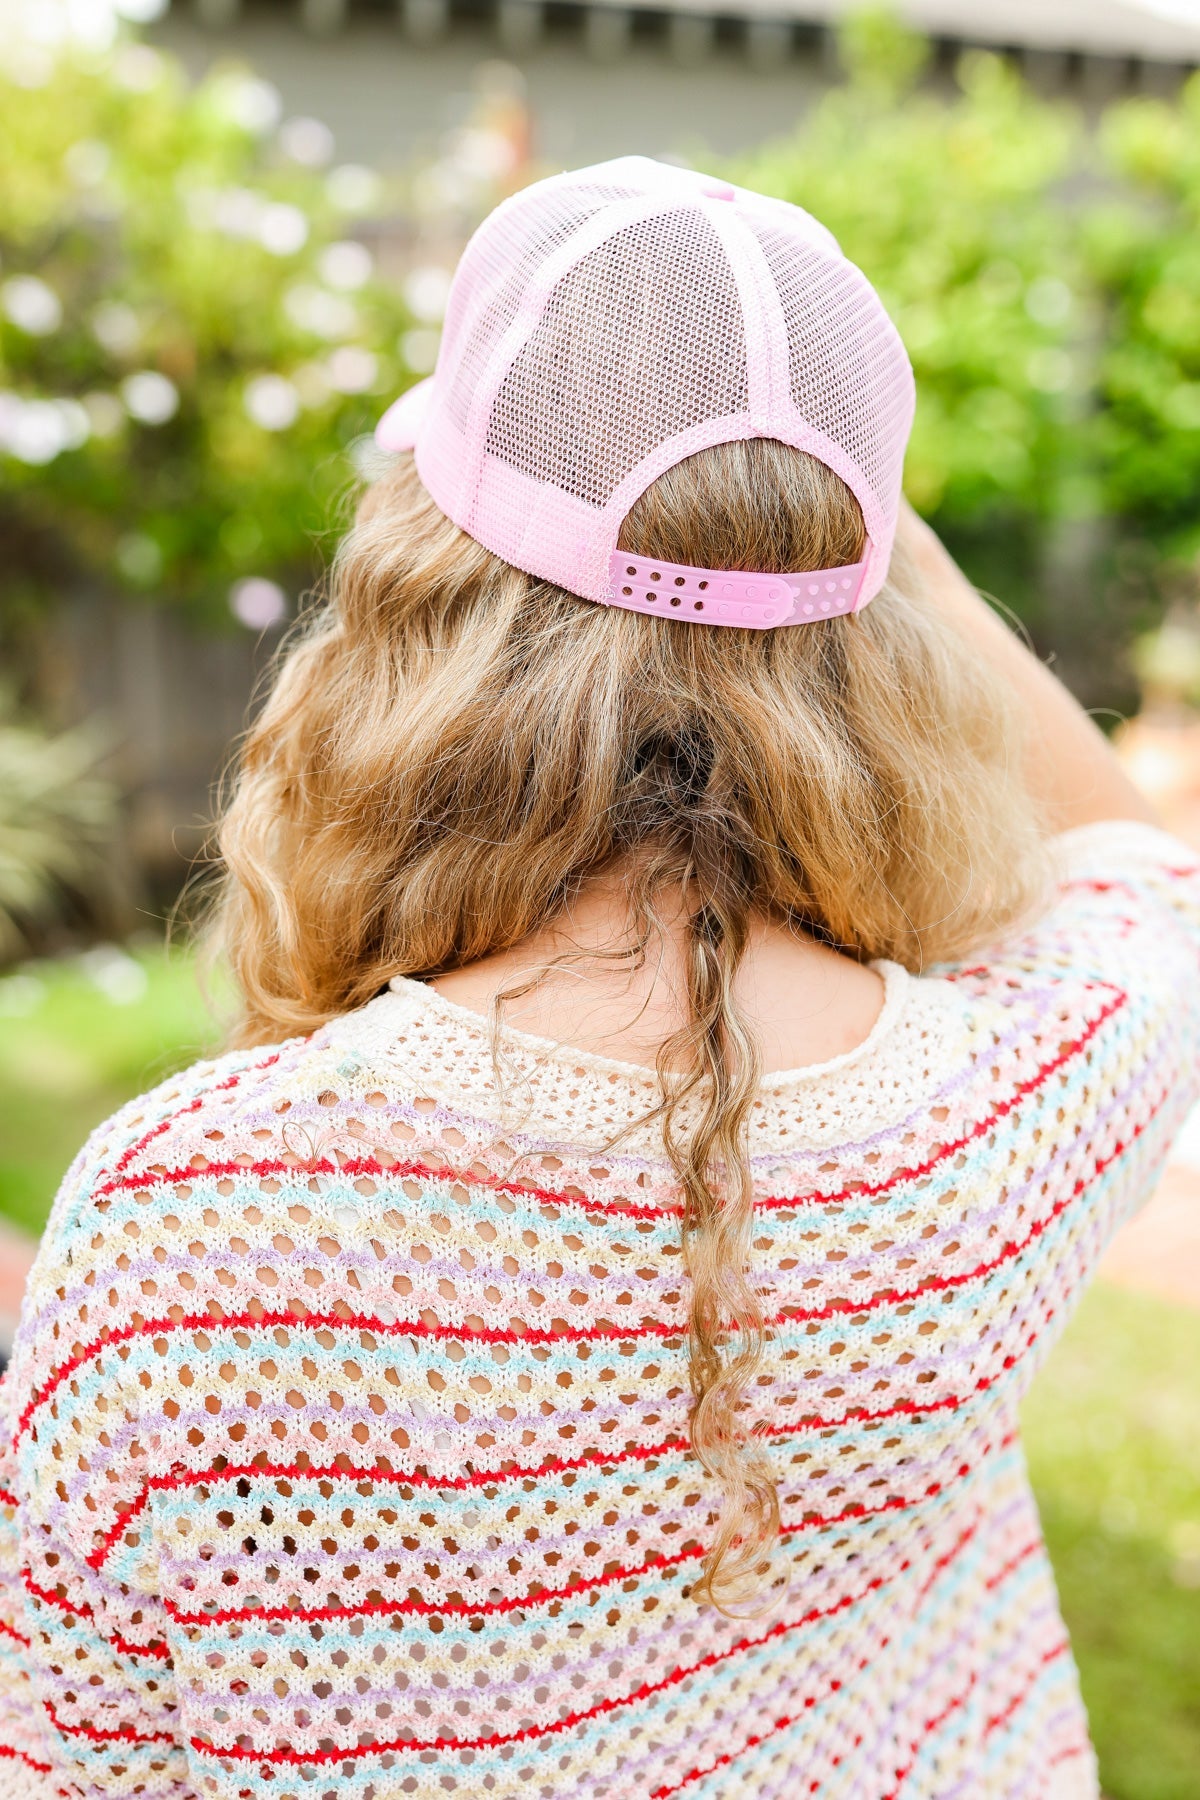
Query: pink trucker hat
[[604, 324]]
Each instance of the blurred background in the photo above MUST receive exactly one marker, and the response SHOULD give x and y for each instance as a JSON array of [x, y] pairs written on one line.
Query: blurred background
[[226, 233]]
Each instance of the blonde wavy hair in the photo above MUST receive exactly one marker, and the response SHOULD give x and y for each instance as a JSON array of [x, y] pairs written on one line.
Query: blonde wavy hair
[[452, 748]]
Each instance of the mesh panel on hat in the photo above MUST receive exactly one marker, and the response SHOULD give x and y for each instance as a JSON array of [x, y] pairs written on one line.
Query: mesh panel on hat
[[581, 408], [496, 271], [848, 370]]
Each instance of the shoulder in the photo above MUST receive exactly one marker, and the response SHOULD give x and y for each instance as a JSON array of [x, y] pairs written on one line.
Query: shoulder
[[182, 1122], [213, 1126]]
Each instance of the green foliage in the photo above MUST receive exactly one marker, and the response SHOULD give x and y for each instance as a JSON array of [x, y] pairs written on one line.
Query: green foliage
[[79, 1036], [54, 812], [1112, 1433], [194, 343], [1143, 248], [878, 50], [191, 338]]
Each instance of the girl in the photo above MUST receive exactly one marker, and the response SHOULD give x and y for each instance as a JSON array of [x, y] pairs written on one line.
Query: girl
[[709, 996]]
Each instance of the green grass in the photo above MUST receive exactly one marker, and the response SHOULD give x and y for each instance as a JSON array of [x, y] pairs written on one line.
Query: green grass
[[79, 1037], [1112, 1431], [1112, 1426]]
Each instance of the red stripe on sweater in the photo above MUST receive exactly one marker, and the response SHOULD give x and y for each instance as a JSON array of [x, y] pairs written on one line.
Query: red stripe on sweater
[[1018, 1700], [546, 1596], [930, 1726], [1013, 1564], [193, 1105], [80, 1609], [657, 1328], [95, 1734], [647, 1690], [355, 1167], [20, 1756], [429, 1609], [7, 1630], [752, 1743]]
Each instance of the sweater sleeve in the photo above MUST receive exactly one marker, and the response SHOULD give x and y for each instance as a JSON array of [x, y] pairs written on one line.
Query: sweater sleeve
[[87, 1690], [1103, 991]]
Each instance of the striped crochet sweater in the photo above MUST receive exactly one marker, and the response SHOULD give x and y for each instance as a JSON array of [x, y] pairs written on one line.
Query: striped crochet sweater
[[345, 1440]]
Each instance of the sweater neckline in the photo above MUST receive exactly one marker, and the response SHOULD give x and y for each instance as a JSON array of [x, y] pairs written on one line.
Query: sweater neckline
[[420, 996]]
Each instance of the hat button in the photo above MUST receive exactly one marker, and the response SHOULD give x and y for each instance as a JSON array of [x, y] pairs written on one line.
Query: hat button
[[719, 191]]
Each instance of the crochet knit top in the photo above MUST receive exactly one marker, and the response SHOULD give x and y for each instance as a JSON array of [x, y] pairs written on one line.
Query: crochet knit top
[[345, 1440]]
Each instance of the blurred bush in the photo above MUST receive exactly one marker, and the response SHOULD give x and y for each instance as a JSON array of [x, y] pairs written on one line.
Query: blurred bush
[[1143, 252], [55, 813], [201, 316], [192, 332]]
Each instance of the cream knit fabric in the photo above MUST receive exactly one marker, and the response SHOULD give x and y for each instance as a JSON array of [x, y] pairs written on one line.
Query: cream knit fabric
[[345, 1439]]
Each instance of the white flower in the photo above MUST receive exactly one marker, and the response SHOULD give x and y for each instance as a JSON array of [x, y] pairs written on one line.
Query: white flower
[[272, 402], [352, 369], [149, 397], [76, 423], [426, 291], [258, 603], [353, 188], [282, 229], [116, 327], [31, 305], [120, 977], [87, 162], [137, 68], [28, 65], [36, 435], [484, 155], [237, 211], [141, 12], [346, 265], [316, 310], [306, 141], [36, 431], [254, 105]]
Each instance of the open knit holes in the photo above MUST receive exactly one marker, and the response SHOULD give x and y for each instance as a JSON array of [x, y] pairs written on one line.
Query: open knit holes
[[390, 1439]]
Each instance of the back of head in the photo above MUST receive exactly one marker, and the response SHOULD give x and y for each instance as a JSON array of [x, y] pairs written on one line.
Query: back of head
[[462, 738], [453, 747]]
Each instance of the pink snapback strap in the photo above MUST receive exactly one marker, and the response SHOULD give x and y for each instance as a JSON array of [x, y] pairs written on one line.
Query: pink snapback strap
[[755, 602]]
